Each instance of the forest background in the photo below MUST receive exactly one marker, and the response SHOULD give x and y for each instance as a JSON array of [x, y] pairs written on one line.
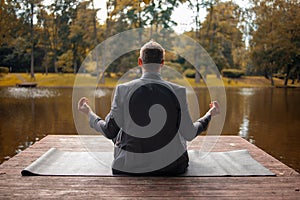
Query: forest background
[[262, 39]]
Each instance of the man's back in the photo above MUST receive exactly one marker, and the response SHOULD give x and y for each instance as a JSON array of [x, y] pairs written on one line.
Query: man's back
[[148, 111]]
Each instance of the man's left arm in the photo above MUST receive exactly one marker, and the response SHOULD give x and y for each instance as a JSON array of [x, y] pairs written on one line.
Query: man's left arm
[[203, 122]]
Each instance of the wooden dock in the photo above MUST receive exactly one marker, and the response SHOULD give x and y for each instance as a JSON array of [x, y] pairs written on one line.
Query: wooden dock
[[285, 185]]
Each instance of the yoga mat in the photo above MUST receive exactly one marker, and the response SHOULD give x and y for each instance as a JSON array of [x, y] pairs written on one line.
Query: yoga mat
[[63, 163]]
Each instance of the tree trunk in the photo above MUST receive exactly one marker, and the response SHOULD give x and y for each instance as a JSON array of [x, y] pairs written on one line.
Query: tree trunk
[[197, 77], [94, 24], [210, 18], [288, 69], [204, 76], [101, 68], [270, 76], [197, 74], [74, 63], [55, 63], [75, 66], [74, 58], [272, 80], [140, 22], [55, 44], [32, 43], [46, 69]]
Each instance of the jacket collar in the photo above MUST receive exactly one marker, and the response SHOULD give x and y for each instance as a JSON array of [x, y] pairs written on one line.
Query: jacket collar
[[151, 75]]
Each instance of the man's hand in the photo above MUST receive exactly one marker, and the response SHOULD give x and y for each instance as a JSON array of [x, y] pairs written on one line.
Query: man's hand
[[83, 105], [214, 108]]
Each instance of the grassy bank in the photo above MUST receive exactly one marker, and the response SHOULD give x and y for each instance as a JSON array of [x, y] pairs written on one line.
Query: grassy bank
[[53, 80], [68, 80]]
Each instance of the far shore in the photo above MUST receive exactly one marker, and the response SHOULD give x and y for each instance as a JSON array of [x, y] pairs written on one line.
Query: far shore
[[87, 80]]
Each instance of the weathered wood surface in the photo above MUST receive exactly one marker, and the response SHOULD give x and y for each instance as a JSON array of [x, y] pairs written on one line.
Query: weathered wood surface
[[285, 185]]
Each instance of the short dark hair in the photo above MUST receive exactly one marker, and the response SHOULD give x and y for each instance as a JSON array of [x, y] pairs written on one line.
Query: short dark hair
[[152, 52]]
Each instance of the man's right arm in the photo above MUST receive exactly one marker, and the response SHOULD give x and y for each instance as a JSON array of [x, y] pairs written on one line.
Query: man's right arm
[[107, 127]]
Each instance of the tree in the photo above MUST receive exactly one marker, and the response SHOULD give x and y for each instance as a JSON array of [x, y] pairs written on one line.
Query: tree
[[145, 13], [9, 22], [197, 5], [220, 34], [158, 13], [10, 35], [27, 15], [275, 45], [62, 13], [83, 32], [66, 61], [46, 37], [94, 18]]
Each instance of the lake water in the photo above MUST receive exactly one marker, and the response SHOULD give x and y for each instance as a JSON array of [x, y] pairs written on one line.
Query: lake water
[[267, 117]]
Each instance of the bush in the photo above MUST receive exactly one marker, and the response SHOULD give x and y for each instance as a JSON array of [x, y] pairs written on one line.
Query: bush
[[67, 70], [189, 73], [232, 73], [175, 66], [3, 71], [280, 76], [106, 74]]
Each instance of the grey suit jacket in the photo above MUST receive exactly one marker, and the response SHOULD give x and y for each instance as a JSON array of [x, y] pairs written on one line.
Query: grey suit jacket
[[149, 123]]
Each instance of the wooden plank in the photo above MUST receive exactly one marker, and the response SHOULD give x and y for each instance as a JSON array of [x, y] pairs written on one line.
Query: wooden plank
[[285, 185]]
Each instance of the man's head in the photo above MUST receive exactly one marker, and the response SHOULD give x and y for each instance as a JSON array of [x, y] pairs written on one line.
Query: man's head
[[151, 56]]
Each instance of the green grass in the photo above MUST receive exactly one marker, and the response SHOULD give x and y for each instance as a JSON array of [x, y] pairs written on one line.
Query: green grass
[[70, 80], [9, 80], [245, 81], [55, 80]]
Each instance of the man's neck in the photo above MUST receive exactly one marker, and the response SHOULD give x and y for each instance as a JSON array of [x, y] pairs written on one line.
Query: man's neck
[[150, 71], [151, 67], [151, 75]]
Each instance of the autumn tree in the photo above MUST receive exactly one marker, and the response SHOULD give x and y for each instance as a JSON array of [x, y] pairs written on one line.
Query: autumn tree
[[45, 42], [275, 45], [10, 31], [220, 34], [196, 6], [28, 10], [62, 13], [8, 21]]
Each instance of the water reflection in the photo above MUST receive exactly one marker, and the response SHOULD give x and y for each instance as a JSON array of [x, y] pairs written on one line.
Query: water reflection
[[269, 117], [101, 92], [29, 114], [245, 94], [247, 91], [244, 127], [28, 93]]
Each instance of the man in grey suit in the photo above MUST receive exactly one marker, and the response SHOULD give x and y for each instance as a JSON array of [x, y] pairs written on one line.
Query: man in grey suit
[[149, 121]]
